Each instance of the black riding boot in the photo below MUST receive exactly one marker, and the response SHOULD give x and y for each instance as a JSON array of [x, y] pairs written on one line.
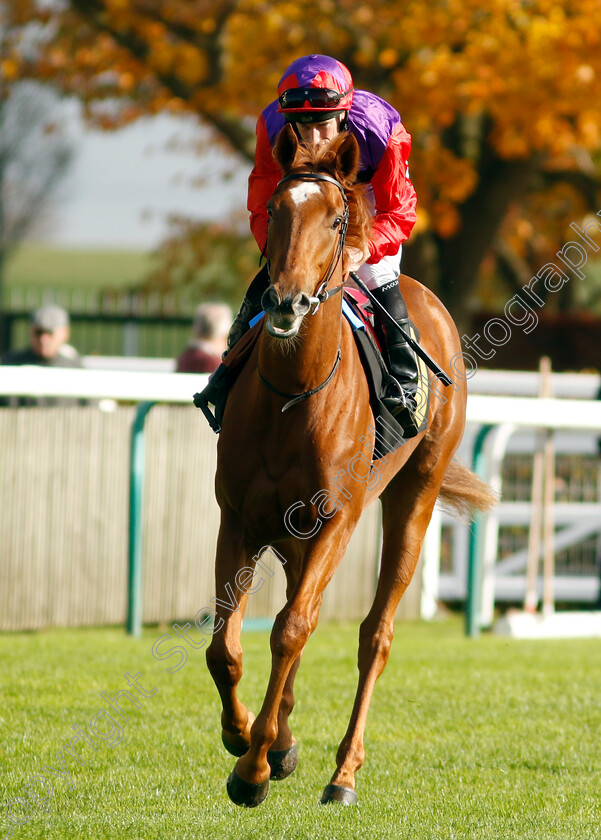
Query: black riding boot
[[250, 306], [402, 361]]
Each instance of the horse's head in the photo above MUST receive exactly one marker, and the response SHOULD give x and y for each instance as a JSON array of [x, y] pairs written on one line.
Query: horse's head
[[314, 212]]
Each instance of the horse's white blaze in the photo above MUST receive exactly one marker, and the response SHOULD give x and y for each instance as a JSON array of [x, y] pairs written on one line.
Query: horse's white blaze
[[302, 192]]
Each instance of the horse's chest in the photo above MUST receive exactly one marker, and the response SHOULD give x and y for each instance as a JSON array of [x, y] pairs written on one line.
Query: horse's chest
[[270, 478], [275, 477]]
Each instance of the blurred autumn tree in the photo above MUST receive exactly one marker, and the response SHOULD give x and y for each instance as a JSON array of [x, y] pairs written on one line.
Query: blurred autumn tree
[[501, 97], [34, 157]]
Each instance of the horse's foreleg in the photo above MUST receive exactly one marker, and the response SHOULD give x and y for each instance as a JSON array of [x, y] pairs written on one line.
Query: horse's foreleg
[[224, 654], [282, 755], [285, 739], [402, 539], [249, 782]]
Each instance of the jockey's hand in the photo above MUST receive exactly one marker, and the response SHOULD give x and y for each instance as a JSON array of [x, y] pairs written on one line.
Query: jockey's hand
[[353, 258]]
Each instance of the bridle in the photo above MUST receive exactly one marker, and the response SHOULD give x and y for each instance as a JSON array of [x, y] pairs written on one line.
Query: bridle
[[322, 293]]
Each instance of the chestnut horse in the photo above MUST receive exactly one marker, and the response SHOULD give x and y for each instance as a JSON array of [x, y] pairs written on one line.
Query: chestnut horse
[[271, 462]]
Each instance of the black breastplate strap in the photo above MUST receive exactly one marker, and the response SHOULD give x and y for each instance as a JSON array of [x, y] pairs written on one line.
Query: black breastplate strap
[[296, 398]]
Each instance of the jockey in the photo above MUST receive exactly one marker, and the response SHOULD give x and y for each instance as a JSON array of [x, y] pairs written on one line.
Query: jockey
[[316, 96]]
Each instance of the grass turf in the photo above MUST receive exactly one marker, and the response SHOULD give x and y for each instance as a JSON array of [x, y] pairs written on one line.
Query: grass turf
[[36, 265], [476, 739]]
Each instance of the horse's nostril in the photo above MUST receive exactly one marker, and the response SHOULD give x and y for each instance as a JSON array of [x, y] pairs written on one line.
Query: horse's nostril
[[270, 299], [301, 304]]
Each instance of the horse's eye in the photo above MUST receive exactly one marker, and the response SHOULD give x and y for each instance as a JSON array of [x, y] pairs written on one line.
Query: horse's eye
[[337, 223], [269, 212]]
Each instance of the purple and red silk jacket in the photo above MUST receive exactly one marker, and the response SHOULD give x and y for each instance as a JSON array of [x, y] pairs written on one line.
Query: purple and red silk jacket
[[384, 144]]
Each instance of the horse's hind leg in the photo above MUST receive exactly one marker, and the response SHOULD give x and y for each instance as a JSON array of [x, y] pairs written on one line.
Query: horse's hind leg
[[404, 525], [224, 654]]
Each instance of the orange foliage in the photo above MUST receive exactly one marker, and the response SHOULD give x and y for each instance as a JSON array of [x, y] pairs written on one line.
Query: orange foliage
[[506, 77]]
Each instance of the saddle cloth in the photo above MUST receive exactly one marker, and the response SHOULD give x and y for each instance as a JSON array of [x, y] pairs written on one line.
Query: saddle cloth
[[357, 310]]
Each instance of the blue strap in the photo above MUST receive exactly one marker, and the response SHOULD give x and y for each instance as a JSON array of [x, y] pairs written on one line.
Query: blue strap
[[354, 320], [256, 319]]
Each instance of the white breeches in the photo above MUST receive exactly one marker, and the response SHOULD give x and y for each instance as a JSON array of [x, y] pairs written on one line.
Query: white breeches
[[379, 274]]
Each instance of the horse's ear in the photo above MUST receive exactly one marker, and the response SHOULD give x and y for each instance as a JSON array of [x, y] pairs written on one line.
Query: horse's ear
[[286, 147], [347, 157]]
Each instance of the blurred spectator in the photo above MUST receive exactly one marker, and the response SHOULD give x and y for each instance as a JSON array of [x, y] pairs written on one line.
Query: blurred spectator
[[48, 337], [211, 325]]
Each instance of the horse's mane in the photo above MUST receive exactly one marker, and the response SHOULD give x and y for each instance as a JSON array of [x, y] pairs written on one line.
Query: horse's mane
[[325, 159]]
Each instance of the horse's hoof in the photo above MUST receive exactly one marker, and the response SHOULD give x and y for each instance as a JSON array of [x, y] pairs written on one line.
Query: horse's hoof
[[338, 793], [282, 762], [234, 749], [246, 793]]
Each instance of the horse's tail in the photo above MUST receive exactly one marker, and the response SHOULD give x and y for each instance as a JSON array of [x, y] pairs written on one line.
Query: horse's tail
[[463, 493]]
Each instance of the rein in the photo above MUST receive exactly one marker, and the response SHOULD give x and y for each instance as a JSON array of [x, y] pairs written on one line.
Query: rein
[[322, 294]]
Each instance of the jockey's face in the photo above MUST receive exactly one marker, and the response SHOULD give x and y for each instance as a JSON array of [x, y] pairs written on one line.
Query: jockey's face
[[320, 133]]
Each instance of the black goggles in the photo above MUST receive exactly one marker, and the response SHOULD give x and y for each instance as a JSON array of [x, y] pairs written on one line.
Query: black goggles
[[317, 97]]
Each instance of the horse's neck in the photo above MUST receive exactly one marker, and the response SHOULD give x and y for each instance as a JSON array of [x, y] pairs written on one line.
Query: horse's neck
[[307, 360]]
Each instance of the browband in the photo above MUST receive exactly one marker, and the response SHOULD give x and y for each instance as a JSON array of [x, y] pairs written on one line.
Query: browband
[[315, 176]]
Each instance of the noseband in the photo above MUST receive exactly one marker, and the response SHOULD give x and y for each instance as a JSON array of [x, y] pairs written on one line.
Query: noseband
[[321, 294]]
